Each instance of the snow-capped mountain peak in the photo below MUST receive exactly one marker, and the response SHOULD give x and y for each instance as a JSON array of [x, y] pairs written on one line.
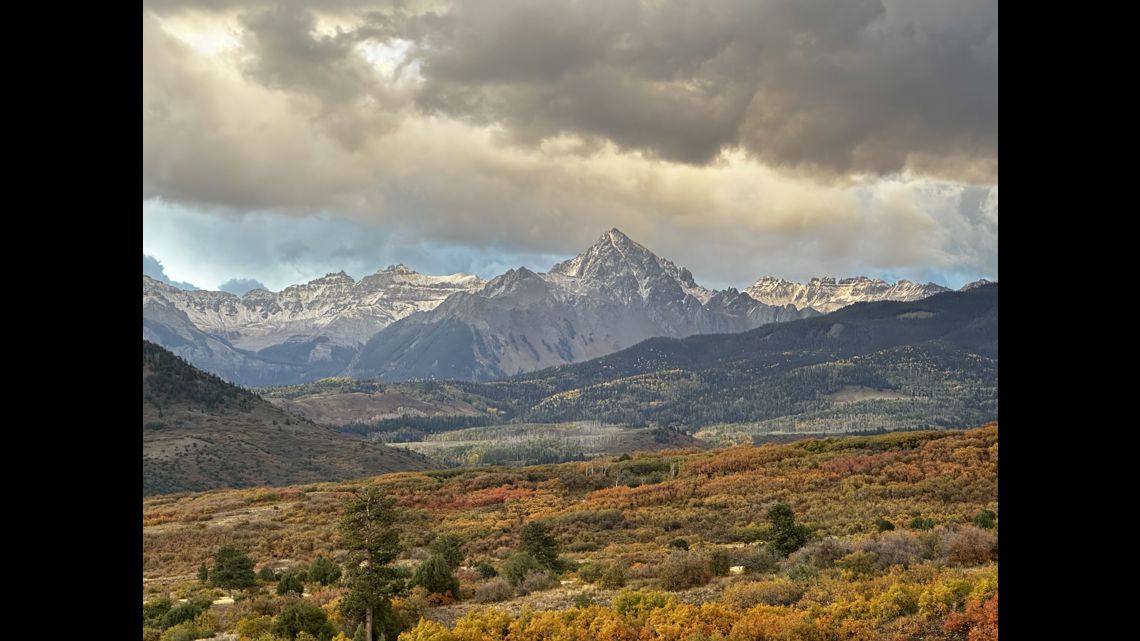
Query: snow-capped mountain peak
[[617, 264], [981, 282], [827, 294]]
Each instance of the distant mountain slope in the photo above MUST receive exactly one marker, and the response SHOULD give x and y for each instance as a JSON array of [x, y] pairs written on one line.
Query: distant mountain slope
[[828, 294], [201, 433], [615, 294]]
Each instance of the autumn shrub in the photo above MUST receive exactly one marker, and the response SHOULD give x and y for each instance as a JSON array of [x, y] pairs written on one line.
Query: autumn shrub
[[185, 631], [780, 591], [943, 597], [536, 581], [749, 533], [893, 548], [719, 561], [971, 545], [801, 572], [978, 622], [635, 605], [591, 571], [642, 571], [254, 626], [858, 565], [427, 631], [183, 612], [486, 570], [154, 610], [898, 600], [757, 559], [583, 545], [684, 570], [595, 519], [613, 577], [498, 589], [822, 554]]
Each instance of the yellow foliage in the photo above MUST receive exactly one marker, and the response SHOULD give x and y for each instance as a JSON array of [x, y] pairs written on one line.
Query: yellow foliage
[[427, 631]]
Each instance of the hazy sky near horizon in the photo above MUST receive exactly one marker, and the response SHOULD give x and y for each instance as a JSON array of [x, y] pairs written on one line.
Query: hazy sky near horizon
[[739, 138]]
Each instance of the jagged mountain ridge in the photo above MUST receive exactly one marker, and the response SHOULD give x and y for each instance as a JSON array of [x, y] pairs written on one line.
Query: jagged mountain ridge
[[398, 324], [827, 294], [337, 306], [615, 294], [303, 333]]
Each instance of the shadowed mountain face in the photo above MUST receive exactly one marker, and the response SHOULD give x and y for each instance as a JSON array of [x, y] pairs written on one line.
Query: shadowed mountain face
[[615, 294], [201, 433]]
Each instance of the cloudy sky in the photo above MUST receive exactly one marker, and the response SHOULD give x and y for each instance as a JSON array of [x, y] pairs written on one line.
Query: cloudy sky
[[739, 138]]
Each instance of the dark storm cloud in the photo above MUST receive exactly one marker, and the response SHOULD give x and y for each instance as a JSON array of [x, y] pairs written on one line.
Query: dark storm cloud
[[834, 86], [830, 86]]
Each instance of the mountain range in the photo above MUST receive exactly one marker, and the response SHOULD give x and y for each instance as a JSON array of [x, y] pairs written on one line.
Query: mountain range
[[398, 324], [882, 365]]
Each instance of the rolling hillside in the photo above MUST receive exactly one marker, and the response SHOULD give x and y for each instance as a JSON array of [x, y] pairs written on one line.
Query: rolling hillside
[[201, 433]]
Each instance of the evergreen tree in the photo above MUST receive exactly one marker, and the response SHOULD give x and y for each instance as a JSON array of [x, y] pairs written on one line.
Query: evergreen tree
[[303, 617], [203, 572], [537, 542], [290, 583], [435, 576], [324, 571], [450, 547], [786, 535], [233, 569], [368, 531]]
